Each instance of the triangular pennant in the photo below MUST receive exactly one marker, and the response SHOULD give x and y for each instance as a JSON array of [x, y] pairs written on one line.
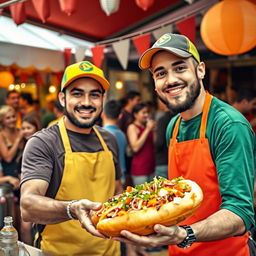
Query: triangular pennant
[[42, 8], [18, 12], [121, 49], [80, 53], [67, 56], [68, 6], [142, 43], [187, 27], [161, 31], [98, 55]]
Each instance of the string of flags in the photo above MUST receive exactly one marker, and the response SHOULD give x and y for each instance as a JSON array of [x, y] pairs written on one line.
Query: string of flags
[[121, 47], [142, 42]]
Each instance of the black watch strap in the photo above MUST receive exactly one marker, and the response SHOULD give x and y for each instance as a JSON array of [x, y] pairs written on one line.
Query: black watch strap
[[189, 239]]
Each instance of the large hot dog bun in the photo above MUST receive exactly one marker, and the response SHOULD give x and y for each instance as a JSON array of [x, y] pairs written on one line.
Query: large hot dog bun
[[142, 221]]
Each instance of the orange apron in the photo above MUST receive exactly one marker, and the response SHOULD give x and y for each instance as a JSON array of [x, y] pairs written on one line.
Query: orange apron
[[85, 175], [192, 160]]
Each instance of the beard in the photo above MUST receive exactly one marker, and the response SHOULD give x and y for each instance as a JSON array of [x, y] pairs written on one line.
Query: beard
[[79, 124], [189, 102]]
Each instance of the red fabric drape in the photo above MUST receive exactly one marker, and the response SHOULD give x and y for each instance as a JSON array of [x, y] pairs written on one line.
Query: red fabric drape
[[187, 27], [98, 55], [18, 12], [142, 43]]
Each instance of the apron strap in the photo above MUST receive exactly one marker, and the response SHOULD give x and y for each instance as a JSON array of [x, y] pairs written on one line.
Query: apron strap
[[64, 136], [206, 107], [101, 139], [176, 129]]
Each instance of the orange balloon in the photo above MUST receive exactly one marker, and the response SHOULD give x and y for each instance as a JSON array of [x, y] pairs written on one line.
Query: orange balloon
[[6, 78], [229, 27]]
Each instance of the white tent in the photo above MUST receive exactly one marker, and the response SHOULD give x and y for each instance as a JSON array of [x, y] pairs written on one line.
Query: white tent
[[29, 45]]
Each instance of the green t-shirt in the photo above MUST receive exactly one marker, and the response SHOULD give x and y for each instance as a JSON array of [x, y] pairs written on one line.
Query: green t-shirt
[[232, 144]]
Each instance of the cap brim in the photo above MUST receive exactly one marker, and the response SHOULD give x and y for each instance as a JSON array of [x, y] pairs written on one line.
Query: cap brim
[[145, 59], [102, 81]]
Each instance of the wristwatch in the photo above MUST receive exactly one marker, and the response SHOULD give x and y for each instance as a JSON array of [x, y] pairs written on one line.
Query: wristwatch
[[189, 239]]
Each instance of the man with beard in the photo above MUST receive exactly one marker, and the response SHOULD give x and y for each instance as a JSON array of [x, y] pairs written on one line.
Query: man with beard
[[209, 142], [71, 168], [13, 99]]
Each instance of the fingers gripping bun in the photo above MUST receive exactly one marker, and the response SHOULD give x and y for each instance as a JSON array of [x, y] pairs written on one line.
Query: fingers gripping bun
[[166, 209]]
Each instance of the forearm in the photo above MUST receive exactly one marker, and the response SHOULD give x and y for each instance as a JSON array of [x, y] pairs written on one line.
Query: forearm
[[4, 179], [219, 225], [43, 210], [8, 154], [138, 144]]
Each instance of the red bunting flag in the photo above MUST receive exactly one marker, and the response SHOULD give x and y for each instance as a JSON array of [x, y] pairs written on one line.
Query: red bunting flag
[[187, 27], [144, 4], [68, 6], [38, 79], [98, 55], [23, 77], [142, 43], [67, 56], [18, 12], [42, 8]]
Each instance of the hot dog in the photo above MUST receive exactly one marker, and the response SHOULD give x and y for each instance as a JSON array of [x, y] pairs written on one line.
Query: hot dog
[[138, 209]]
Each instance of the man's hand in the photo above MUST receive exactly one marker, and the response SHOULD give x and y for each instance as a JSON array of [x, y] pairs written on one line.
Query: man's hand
[[81, 209], [162, 236]]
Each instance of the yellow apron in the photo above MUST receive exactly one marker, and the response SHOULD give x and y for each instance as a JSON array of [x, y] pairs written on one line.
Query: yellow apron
[[86, 175]]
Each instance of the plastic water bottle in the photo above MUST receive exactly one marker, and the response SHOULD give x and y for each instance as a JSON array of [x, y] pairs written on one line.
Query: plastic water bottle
[[9, 238]]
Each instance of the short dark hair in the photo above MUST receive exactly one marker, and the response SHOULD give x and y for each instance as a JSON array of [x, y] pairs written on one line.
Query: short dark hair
[[27, 97], [11, 92], [132, 94], [245, 93], [129, 96], [138, 107], [112, 109]]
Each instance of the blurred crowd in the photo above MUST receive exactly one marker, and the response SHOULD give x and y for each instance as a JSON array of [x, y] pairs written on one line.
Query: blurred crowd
[[139, 128]]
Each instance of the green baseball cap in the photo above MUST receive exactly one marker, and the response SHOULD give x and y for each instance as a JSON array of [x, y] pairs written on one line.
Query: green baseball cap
[[177, 44], [83, 69]]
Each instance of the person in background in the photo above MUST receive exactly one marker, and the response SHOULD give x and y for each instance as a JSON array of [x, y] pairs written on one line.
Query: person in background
[[58, 111], [141, 138], [210, 143], [13, 99], [11, 148], [15, 182], [246, 104], [71, 168], [27, 106], [29, 127], [161, 149], [132, 98], [110, 115]]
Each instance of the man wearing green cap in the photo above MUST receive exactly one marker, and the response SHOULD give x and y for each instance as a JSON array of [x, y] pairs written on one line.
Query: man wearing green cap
[[70, 166], [210, 143]]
